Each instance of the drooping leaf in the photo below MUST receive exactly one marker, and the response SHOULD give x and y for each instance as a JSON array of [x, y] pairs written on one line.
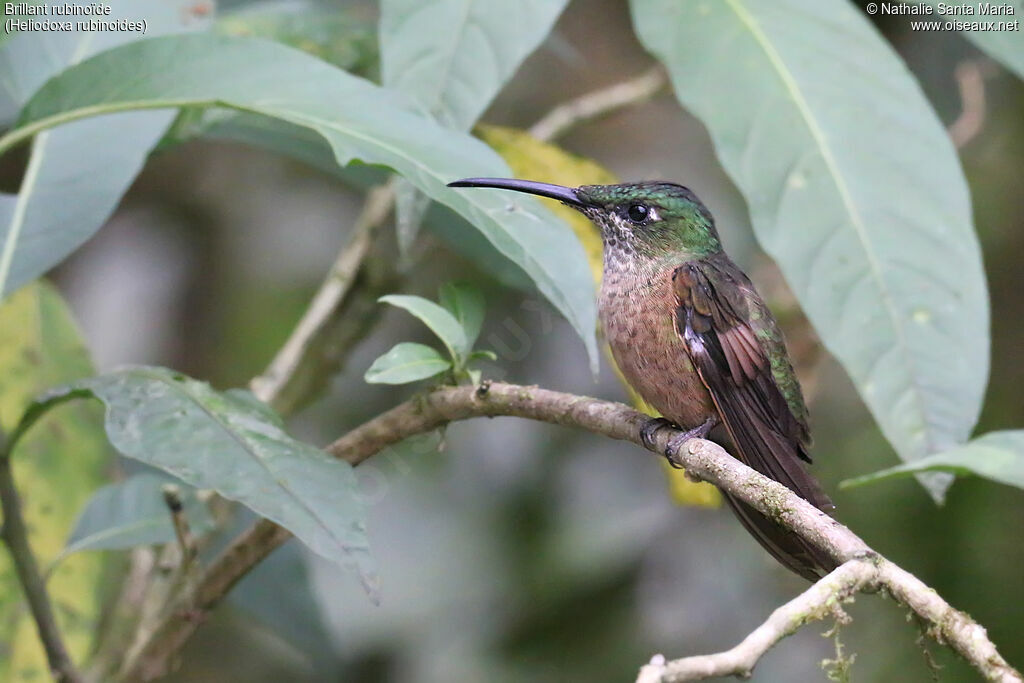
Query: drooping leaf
[[998, 456], [465, 302], [538, 160], [437, 318], [406, 362], [1005, 46], [359, 120], [233, 445], [131, 513], [56, 468], [77, 174], [854, 188], [452, 57]]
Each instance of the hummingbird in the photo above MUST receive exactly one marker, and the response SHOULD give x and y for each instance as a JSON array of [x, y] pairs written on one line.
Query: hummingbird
[[694, 338]]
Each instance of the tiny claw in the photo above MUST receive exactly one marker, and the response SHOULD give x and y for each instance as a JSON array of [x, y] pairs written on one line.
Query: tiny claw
[[677, 441], [651, 428], [672, 449]]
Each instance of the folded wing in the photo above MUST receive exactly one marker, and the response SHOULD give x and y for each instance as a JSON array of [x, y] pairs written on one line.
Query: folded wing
[[736, 348]]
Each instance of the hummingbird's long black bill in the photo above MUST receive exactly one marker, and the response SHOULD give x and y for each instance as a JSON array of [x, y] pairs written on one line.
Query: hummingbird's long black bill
[[563, 194]]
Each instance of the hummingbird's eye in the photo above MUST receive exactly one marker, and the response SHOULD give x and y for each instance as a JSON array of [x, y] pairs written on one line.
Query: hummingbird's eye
[[637, 213]]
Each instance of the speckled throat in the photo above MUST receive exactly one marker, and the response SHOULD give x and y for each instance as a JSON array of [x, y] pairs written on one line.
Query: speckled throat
[[635, 306]]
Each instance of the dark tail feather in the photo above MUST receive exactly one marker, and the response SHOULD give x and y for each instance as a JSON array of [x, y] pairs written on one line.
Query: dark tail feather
[[774, 456], [789, 549]]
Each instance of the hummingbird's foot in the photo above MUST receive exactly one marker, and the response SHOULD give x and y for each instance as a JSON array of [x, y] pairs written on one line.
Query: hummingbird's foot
[[677, 441], [652, 427]]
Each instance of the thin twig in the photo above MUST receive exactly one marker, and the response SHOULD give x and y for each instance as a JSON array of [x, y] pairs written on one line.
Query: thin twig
[[273, 386], [814, 604], [118, 628], [702, 459], [15, 535], [186, 541], [562, 118], [156, 648]]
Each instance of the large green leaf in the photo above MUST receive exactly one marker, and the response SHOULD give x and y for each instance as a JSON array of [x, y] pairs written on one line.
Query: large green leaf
[[56, 468], [77, 174], [1004, 46], [452, 57], [998, 456], [235, 445], [854, 188], [359, 120]]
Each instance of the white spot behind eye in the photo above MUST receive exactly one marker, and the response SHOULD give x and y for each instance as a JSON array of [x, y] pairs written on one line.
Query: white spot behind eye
[[652, 214]]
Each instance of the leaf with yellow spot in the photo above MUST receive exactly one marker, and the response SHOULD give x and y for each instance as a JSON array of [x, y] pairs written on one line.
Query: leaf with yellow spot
[[56, 468], [535, 159]]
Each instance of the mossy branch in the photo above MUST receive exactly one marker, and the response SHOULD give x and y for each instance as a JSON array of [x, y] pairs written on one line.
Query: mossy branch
[[861, 568]]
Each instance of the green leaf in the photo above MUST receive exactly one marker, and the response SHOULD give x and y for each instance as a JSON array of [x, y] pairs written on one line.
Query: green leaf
[[234, 446], [359, 120], [340, 36], [465, 301], [438, 319], [1006, 47], [406, 362], [854, 188], [76, 175], [454, 73], [998, 456], [483, 353], [56, 468], [131, 513]]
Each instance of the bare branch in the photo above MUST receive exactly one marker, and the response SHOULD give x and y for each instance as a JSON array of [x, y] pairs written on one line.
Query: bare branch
[[562, 118], [816, 603], [275, 385], [862, 568], [946, 625], [15, 535]]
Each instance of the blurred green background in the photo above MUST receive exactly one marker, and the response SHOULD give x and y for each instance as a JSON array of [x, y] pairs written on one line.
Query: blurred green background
[[521, 551]]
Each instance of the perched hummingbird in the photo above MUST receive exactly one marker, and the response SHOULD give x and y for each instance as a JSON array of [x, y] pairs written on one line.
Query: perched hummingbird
[[694, 338]]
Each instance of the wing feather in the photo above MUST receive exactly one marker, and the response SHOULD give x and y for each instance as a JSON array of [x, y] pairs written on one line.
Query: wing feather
[[712, 318]]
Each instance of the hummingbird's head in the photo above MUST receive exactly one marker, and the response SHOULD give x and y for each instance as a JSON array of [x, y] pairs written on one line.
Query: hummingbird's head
[[646, 219]]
